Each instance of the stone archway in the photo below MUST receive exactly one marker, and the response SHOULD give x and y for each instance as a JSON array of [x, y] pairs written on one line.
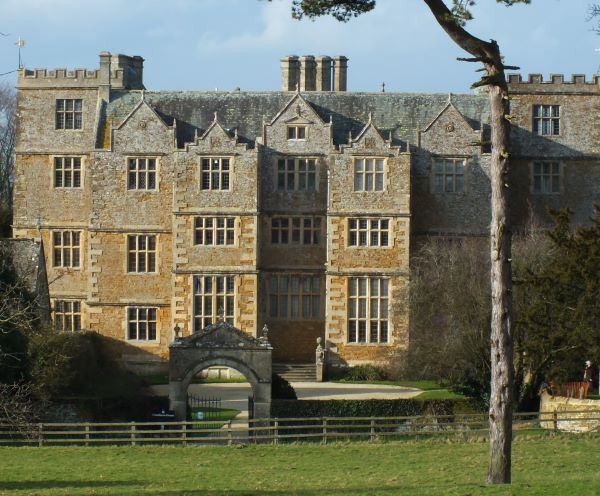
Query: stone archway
[[220, 344]]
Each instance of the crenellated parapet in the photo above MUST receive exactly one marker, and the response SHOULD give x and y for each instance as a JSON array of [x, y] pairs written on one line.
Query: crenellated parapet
[[116, 70], [557, 83]]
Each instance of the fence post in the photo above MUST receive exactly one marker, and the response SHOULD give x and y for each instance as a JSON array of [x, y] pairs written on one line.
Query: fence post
[[229, 440], [184, 434], [132, 435], [372, 437], [276, 429], [324, 430], [555, 420], [87, 434], [40, 435]]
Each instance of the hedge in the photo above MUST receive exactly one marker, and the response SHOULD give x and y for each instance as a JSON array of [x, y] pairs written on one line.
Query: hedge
[[362, 408]]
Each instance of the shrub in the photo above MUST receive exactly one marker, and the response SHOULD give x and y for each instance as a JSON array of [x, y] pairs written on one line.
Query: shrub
[[362, 373], [282, 389], [362, 408]]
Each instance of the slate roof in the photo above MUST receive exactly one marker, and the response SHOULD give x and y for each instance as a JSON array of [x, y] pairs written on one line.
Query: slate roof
[[404, 114]]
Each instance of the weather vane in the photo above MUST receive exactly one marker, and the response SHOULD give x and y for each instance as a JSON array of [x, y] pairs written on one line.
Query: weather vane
[[20, 44]]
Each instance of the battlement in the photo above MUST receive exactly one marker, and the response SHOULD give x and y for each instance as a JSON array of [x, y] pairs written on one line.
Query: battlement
[[557, 83], [117, 71]]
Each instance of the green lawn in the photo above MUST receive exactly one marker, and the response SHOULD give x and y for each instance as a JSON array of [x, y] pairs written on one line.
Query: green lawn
[[439, 394], [424, 385], [213, 416], [547, 466]]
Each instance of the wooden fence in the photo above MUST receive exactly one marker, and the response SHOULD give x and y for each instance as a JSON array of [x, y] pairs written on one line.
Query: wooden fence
[[283, 430]]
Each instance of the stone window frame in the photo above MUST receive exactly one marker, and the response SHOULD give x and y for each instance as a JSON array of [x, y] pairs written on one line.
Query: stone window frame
[[63, 114], [444, 174], [207, 175], [67, 166], [304, 303], [220, 297], [369, 179], [141, 318], [285, 229], [229, 231], [546, 124], [66, 248], [368, 324], [147, 174], [67, 314], [548, 179], [373, 234], [295, 130], [298, 176], [138, 258]]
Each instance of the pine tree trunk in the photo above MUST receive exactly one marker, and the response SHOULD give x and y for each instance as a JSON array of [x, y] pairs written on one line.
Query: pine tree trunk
[[500, 413]]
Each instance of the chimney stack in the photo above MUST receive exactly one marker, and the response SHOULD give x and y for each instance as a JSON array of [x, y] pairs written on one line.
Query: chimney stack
[[309, 73], [290, 73], [323, 73], [340, 69]]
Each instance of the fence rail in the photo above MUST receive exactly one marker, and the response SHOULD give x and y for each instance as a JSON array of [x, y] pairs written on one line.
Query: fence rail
[[284, 430]]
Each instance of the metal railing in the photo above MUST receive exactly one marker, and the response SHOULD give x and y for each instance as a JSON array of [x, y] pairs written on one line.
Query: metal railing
[[208, 406], [285, 430]]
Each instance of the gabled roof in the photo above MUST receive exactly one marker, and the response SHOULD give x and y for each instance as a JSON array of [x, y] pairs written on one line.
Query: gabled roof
[[401, 114], [302, 103], [449, 106], [365, 130], [216, 127], [136, 109]]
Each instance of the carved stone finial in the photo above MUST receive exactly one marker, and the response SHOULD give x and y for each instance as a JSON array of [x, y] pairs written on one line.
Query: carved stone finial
[[216, 118], [265, 332], [220, 314], [349, 136], [370, 117], [383, 87], [449, 97], [297, 88], [235, 134], [195, 134]]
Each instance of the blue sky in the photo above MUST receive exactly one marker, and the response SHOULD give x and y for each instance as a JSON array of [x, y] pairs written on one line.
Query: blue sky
[[208, 44]]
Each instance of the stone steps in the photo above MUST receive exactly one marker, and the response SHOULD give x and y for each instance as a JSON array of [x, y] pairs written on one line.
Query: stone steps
[[296, 372]]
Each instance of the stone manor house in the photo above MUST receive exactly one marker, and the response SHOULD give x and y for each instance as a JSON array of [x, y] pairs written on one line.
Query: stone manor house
[[161, 212]]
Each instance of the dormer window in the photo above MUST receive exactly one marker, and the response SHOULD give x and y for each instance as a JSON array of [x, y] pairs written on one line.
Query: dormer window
[[296, 132]]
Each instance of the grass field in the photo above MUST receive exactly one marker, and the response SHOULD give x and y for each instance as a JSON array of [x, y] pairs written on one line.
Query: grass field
[[215, 417], [560, 466]]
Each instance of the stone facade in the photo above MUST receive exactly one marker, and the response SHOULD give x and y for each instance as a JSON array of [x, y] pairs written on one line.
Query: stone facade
[[296, 208]]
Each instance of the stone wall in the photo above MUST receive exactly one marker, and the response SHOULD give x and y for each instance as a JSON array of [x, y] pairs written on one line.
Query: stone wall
[[407, 131], [577, 415]]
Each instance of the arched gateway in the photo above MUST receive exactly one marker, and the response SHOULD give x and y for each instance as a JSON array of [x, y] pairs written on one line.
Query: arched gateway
[[220, 344]]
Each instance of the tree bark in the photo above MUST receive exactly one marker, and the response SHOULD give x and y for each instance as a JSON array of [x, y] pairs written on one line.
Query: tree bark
[[500, 413]]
